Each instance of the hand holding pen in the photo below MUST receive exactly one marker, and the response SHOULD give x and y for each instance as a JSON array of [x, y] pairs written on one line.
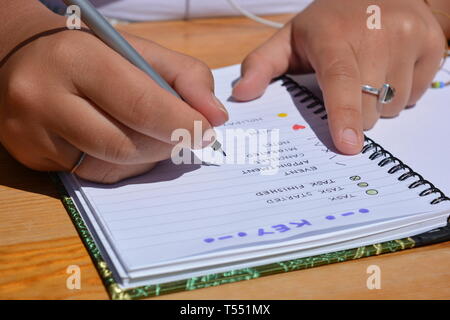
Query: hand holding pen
[[85, 97]]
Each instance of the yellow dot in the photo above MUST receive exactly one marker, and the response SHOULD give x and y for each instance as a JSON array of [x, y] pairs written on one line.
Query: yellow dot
[[372, 192], [282, 115]]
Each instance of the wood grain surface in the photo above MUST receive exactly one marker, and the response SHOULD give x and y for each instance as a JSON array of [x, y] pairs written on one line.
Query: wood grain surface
[[38, 241]]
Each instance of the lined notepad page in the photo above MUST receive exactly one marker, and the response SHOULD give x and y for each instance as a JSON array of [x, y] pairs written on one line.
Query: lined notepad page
[[189, 212]]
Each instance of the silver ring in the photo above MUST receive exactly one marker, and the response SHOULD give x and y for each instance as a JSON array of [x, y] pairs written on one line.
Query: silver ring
[[385, 94], [78, 164]]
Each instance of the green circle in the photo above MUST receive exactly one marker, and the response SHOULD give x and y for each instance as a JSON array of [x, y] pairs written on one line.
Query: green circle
[[355, 178], [372, 192], [363, 184]]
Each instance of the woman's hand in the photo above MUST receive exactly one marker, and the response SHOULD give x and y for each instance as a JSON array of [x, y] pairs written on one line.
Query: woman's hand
[[331, 37], [69, 93]]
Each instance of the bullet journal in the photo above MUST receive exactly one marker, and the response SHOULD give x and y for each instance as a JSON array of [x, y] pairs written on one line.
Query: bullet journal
[[282, 199]]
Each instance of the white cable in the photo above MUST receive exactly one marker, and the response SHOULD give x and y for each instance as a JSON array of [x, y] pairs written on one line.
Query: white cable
[[250, 15]]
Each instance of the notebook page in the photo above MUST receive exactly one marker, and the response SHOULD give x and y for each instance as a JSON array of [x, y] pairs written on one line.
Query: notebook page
[[183, 211], [422, 131]]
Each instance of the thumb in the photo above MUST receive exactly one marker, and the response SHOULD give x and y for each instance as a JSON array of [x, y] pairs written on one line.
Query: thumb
[[263, 64]]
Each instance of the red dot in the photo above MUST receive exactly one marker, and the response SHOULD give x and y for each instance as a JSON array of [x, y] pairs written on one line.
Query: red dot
[[298, 127]]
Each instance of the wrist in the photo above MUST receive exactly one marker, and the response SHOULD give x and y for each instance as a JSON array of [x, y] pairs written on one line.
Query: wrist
[[21, 19]]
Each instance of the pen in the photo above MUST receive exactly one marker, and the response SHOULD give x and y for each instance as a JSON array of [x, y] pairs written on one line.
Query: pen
[[106, 32]]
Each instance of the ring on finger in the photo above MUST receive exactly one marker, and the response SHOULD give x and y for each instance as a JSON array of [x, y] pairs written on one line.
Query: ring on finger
[[385, 94]]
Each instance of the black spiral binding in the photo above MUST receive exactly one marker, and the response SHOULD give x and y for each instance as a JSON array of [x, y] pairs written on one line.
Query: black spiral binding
[[378, 151]]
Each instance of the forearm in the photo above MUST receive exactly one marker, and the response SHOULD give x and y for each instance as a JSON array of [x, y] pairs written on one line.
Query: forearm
[[20, 19], [444, 7]]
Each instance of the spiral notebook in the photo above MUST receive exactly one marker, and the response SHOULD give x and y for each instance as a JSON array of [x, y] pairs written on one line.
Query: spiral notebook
[[290, 201]]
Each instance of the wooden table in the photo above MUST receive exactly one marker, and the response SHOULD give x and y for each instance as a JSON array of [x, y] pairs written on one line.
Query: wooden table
[[38, 240]]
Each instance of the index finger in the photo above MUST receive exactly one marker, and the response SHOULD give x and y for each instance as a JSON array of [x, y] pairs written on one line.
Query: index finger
[[339, 78], [133, 98], [190, 77]]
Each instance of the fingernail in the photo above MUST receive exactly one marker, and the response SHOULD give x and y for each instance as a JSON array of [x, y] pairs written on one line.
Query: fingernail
[[220, 106], [350, 136]]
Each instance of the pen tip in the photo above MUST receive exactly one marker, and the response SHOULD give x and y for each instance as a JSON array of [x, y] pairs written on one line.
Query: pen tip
[[224, 153]]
